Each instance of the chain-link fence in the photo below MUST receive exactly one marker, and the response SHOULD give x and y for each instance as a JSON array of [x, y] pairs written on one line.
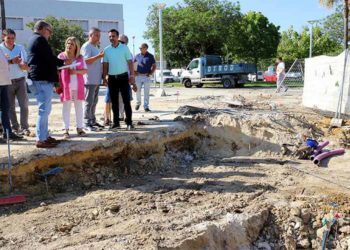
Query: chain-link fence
[[295, 72]]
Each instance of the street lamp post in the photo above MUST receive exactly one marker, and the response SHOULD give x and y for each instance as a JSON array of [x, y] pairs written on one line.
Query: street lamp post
[[311, 22], [3, 16], [133, 46], [161, 6]]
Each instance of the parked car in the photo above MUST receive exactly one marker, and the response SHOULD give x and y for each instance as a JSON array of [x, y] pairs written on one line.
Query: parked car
[[167, 76], [294, 75], [252, 77], [270, 77]]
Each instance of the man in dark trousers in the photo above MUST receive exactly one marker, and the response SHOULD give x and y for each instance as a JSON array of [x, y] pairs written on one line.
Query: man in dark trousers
[[4, 101], [117, 62], [43, 72]]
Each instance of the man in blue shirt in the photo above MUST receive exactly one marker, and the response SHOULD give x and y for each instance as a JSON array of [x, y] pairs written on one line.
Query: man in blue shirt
[[117, 61], [146, 65], [18, 88]]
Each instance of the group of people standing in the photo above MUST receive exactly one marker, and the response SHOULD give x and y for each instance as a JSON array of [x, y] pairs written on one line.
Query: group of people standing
[[80, 71]]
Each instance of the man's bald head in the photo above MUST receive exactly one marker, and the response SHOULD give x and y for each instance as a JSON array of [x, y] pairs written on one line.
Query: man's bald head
[[123, 38]]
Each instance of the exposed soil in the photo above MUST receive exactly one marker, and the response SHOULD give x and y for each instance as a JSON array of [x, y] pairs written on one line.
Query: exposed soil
[[227, 177]]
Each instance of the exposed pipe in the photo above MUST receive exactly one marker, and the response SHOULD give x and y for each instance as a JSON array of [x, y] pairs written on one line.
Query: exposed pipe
[[325, 155], [319, 148]]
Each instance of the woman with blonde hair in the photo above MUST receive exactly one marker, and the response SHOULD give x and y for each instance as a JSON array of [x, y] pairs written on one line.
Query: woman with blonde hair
[[72, 84]]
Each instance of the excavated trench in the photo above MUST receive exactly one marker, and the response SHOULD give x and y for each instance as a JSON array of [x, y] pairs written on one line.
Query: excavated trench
[[160, 151], [227, 170]]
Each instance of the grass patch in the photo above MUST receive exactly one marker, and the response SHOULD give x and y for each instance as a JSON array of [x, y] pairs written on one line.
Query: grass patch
[[261, 84]]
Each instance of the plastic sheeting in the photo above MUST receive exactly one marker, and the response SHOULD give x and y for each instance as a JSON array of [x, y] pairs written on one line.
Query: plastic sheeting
[[322, 83]]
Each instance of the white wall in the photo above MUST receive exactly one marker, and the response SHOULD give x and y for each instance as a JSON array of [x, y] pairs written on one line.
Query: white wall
[[323, 78], [28, 10]]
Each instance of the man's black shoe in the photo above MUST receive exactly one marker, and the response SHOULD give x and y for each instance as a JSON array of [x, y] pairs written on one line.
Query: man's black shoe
[[147, 110], [130, 127], [98, 125], [114, 127], [13, 137], [137, 107]]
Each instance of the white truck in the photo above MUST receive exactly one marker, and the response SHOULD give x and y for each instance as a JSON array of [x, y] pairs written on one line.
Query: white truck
[[210, 69]]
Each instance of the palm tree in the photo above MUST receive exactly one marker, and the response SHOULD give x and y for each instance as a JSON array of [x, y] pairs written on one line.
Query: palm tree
[[330, 4], [3, 17]]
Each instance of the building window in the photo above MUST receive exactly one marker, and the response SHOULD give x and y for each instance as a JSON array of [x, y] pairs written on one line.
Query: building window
[[14, 23], [84, 24], [106, 26]]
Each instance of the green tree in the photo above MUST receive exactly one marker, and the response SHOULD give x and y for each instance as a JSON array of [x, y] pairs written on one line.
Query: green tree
[[330, 4], [333, 25], [256, 39], [62, 29], [294, 45], [193, 28]]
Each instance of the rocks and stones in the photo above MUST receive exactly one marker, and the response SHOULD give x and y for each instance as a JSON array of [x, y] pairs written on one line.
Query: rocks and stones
[[189, 158], [115, 208], [65, 228], [345, 229], [290, 243], [304, 243], [264, 245], [178, 118], [305, 215], [189, 110], [295, 211]]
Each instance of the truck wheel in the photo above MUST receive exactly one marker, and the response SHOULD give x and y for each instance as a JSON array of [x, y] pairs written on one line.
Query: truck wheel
[[228, 82], [187, 83], [199, 85]]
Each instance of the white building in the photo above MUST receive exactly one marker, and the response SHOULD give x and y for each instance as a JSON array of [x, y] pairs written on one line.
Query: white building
[[104, 16]]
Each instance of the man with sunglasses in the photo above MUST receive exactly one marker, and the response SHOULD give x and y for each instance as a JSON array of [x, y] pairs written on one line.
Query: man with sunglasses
[[43, 72], [146, 65]]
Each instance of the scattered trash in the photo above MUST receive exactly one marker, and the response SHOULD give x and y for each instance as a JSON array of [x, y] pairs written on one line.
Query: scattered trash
[[328, 154], [329, 222], [314, 151]]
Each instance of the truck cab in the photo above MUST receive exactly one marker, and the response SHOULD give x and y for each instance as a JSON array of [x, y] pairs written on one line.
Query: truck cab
[[210, 69]]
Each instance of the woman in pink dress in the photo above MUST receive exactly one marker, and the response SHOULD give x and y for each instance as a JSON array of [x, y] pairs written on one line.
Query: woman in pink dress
[[72, 84]]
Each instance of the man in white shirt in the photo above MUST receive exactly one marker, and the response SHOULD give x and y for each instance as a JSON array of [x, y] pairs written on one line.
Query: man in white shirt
[[5, 81], [281, 74], [18, 88]]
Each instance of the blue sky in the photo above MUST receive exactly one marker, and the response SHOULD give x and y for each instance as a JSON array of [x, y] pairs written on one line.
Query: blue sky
[[284, 13]]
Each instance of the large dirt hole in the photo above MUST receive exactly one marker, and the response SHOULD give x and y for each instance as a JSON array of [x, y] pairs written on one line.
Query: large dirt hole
[[215, 183]]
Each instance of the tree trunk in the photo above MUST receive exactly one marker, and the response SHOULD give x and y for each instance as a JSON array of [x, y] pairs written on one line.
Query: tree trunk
[[3, 16], [346, 23]]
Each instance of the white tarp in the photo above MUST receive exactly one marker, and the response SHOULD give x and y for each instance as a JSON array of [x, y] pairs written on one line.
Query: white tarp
[[322, 82]]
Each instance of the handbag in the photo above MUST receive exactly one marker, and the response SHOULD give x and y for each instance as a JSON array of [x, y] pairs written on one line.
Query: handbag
[[59, 90]]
